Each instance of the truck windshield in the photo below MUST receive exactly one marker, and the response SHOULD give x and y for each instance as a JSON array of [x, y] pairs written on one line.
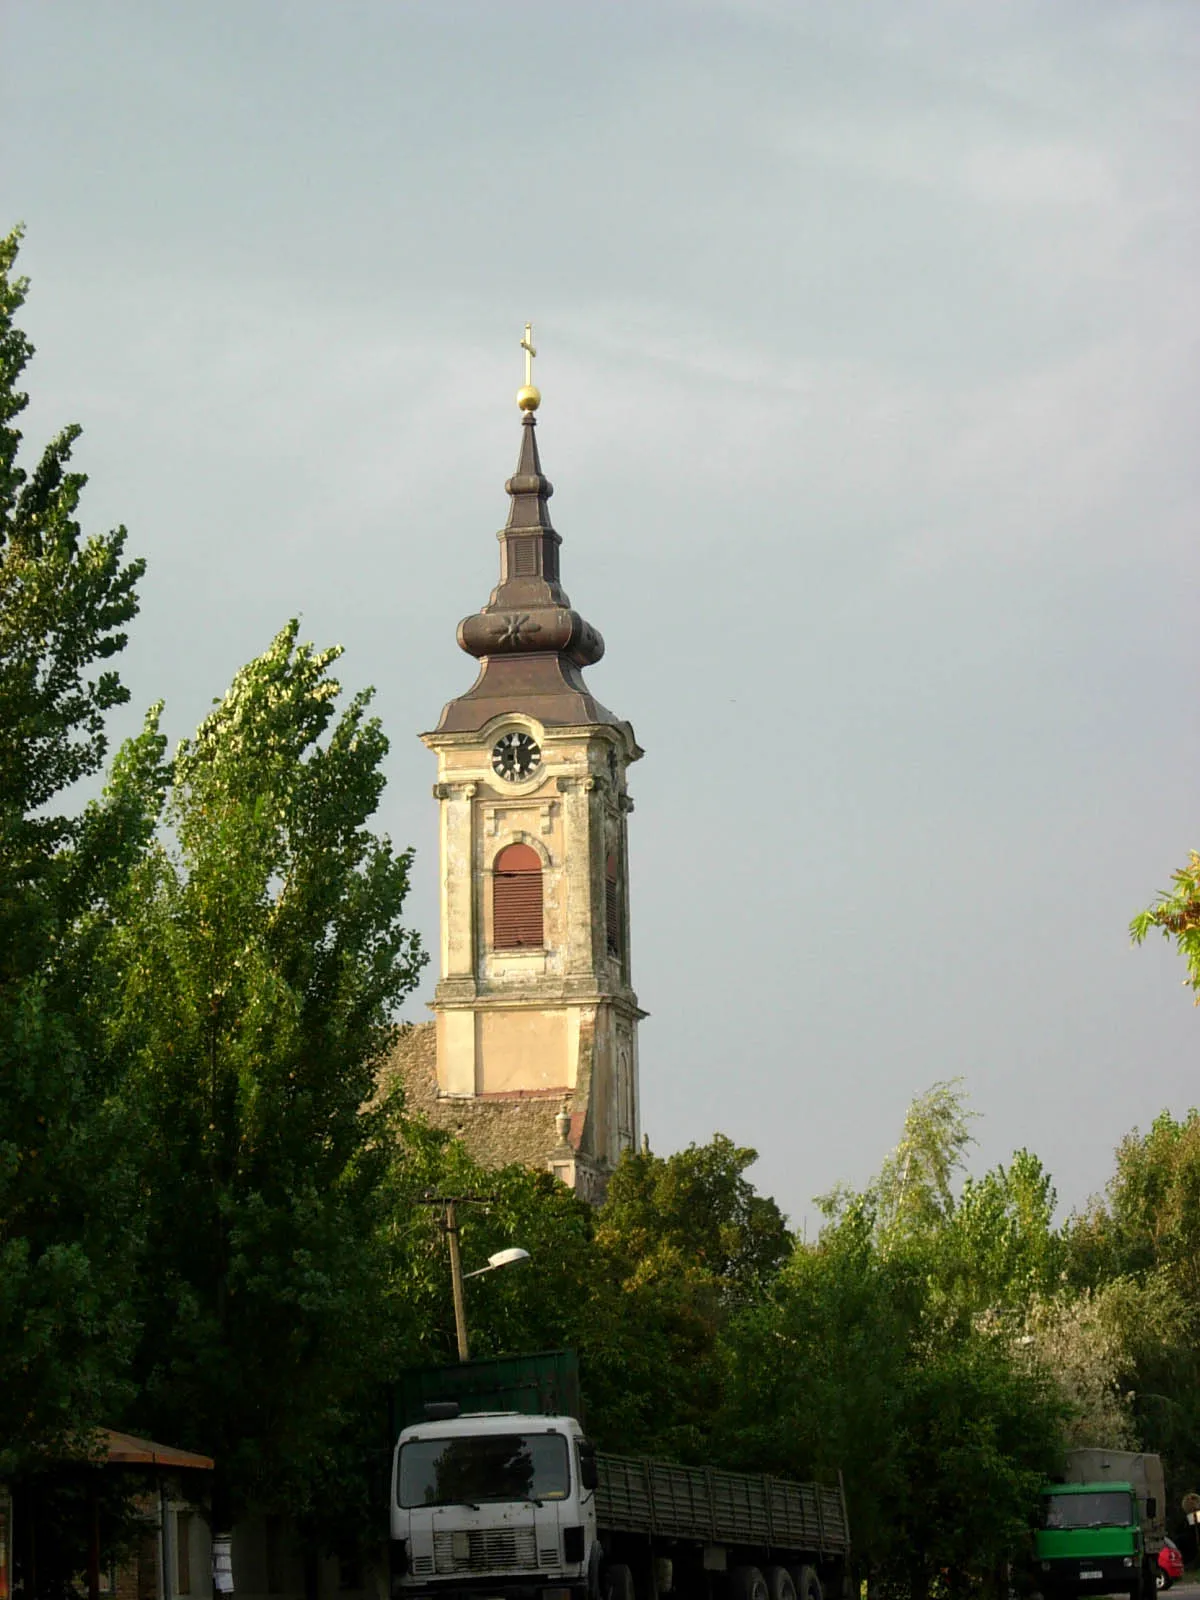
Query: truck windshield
[[486, 1466], [1105, 1508]]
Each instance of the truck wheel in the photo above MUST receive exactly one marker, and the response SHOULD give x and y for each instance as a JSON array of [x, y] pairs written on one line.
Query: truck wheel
[[595, 1583], [779, 1583], [618, 1583], [747, 1583], [808, 1585]]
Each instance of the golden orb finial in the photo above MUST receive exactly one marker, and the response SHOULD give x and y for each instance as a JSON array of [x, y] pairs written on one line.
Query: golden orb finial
[[529, 398]]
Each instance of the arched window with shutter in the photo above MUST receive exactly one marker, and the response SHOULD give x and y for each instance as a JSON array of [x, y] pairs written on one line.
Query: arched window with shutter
[[517, 898], [612, 904]]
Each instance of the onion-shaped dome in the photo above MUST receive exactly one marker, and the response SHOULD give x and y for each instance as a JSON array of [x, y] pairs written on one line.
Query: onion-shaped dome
[[530, 643]]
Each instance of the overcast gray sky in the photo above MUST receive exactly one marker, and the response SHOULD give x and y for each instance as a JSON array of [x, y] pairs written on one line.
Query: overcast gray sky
[[868, 343]]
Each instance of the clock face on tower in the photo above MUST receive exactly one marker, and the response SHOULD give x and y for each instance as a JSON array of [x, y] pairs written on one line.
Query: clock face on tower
[[516, 756]]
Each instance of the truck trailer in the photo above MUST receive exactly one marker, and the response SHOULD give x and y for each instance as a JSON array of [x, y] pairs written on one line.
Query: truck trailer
[[1102, 1526], [514, 1506]]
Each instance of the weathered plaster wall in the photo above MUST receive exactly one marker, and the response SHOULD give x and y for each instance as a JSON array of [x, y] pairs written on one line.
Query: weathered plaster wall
[[522, 1050], [516, 1128]]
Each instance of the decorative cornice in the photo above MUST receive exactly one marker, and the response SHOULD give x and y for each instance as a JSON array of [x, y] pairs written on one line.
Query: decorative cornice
[[537, 994], [552, 734]]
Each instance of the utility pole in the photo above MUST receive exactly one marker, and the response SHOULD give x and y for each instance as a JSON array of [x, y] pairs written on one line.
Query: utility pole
[[450, 1227], [449, 1204]]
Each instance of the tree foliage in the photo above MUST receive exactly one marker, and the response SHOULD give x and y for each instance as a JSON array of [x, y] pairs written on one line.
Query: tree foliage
[[914, 1189], [253, 961], [1135, 1255], [700, 1202], [884, 1350], [1176, 914], [640, 1297], [68, 1225], [682, 1240]]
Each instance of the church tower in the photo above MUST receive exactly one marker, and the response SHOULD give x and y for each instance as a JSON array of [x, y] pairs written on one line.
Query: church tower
[[535, 1001]]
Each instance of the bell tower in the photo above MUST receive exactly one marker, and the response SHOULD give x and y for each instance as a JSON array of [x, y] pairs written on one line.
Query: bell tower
[[535, 1000]]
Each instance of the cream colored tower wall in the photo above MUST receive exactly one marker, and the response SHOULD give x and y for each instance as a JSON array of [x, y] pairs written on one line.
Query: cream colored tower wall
[[523, 1050], [559, 1020]]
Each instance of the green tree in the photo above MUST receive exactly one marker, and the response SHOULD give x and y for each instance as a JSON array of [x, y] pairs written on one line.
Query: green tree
[[67, 1200], [977, 1429], [1176, 914], [885, 1349], [814, 1372], [1000, 1246], [533, 1307], [252, 968], [1090, 1340], [700, 1203], [1136, 1255], [682, 1240], [1152, 1218], [630, 1289], [859, 1362], [914, 1189]]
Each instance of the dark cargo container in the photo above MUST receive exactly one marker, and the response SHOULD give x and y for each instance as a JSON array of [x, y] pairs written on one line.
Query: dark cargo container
[[545, 1383]]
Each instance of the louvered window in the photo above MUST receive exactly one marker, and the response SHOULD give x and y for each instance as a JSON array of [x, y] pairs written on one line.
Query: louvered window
[[525, 561], [517, 899], [612, 905]]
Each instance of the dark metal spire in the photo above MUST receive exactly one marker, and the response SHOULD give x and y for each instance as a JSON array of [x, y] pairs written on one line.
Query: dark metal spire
[[528, 640], [528, 486]]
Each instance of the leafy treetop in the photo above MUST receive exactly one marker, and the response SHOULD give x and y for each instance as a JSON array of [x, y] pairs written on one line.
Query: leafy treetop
[[1176, 913]]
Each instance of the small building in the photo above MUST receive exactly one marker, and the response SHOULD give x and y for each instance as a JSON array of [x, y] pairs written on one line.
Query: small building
[[58, 1524]]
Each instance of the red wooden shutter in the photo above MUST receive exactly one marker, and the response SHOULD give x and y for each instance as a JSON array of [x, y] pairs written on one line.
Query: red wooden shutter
[[517, 899], [612, 906]]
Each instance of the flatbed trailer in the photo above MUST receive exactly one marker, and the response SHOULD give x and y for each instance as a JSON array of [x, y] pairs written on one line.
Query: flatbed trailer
[[660, 1498], [509, 1506]]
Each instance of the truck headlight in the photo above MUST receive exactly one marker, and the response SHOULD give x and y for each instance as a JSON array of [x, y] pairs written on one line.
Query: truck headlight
[[1128, 1561]]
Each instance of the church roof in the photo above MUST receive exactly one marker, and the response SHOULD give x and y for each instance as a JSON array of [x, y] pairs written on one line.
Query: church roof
[[530, 643]]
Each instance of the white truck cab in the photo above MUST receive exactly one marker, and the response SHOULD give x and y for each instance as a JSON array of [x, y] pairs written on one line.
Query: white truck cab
[[494, 1504]]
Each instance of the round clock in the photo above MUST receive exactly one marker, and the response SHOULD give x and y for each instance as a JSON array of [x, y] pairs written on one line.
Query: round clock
[[516, 756]]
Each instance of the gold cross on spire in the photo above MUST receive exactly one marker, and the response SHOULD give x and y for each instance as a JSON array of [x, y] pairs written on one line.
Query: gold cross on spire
[[528, 398]]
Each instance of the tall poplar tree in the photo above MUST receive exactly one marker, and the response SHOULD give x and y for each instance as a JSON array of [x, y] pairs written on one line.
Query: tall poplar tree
[[254, 966], [66, 1223]]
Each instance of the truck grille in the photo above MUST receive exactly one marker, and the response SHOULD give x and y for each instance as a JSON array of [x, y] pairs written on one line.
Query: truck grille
[[485, 1550]]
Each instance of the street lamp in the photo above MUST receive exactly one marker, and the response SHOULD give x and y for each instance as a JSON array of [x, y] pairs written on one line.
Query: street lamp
[[502, 1258]]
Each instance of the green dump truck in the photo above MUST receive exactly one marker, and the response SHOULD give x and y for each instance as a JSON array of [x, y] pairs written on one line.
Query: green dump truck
[[1102, 1526]]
